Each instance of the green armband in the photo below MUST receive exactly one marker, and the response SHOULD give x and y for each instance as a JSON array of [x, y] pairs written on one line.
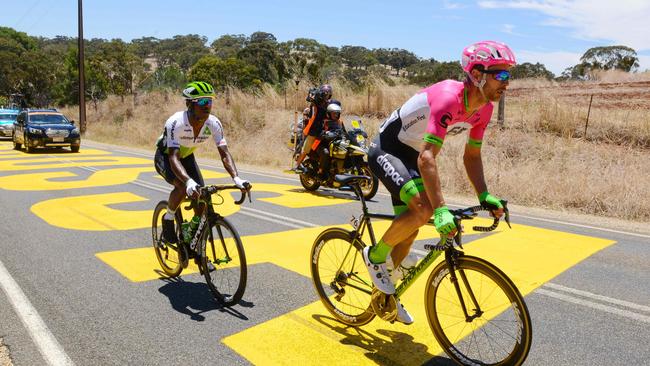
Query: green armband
[[433, 139], [474, 143]]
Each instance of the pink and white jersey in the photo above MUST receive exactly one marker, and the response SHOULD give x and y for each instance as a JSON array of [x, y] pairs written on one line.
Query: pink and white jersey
[[435, 112]]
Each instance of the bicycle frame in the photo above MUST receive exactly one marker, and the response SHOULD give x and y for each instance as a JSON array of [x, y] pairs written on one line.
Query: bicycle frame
[[451, 254]]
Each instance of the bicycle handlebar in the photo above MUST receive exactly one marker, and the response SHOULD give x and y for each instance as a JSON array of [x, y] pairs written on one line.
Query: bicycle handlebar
[[209, 190], [468, 214]]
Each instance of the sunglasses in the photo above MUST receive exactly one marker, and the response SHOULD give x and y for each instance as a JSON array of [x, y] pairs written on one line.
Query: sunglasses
[[500, 75], [203, 102]]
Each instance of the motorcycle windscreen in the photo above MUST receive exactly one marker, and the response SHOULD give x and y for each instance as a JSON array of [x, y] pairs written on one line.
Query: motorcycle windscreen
[[353, 124]]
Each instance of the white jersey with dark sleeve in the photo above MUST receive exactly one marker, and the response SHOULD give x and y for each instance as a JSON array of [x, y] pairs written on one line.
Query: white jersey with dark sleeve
[[179, 133]]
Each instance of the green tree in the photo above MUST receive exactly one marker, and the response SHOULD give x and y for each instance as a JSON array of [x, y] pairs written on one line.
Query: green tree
[[611, 57], [183, 51], [228, 45], [230, 72], [529, 70]]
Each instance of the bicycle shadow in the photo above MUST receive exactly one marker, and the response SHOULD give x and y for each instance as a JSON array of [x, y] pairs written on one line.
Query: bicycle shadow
[[195, 298], [400, 350]]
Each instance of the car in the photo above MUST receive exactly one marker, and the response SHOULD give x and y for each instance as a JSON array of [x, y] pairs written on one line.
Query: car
[[7, 119], [44, 128]]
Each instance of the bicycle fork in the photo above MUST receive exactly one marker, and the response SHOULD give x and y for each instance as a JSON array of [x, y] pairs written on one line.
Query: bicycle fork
[[450, 259]]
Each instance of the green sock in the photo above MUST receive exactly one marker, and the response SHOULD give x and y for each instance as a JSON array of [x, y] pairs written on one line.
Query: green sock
[[379, 252]]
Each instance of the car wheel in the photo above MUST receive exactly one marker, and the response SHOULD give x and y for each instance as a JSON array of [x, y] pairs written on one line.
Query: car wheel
[[74, 148], [28, 149], [16, 144]]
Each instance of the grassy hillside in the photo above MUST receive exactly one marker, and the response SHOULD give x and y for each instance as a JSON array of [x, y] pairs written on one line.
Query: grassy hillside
[[539, 158]]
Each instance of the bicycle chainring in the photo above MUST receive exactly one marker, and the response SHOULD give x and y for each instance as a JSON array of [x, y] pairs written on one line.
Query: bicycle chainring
[[385, 306]]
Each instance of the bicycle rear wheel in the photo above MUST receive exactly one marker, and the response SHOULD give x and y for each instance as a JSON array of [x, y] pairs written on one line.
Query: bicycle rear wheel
[[496, 329], [341, 278], [168, 255], [223, 249]]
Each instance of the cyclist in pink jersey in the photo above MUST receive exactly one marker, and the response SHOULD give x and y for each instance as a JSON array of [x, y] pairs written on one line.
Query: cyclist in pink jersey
[[404, 154]]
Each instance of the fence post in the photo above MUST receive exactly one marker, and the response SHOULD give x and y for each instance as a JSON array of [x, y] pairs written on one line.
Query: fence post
[[588, 113], [501, 113]]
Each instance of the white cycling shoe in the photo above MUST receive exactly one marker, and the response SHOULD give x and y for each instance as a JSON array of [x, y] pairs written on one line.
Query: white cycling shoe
[[403, 316], [397, 274], [378, 274]]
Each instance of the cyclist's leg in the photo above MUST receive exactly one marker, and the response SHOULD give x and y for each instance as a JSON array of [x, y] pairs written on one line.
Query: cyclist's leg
[[401, 177], [163, 167]]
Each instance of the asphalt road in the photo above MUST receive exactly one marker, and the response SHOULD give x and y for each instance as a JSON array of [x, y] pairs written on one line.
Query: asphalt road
[[79, 283]]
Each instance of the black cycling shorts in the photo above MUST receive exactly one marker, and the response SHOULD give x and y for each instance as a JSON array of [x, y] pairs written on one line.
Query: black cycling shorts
[[164, 168], [396, 166]]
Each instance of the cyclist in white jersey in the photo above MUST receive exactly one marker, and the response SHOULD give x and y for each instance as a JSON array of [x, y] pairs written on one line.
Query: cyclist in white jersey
[[174, 159], [404, 154]]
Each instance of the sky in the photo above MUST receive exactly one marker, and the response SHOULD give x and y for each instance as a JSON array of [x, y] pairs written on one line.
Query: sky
[[553, 32]]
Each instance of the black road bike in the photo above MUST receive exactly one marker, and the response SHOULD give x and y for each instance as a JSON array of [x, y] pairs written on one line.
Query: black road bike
[[476, 313], [215, 246]]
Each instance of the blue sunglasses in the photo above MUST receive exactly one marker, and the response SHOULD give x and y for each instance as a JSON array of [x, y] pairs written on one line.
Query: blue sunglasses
[[203, 101], [500, 75]]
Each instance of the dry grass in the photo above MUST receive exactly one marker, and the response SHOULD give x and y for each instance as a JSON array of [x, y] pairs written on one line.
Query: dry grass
[[537, 160]]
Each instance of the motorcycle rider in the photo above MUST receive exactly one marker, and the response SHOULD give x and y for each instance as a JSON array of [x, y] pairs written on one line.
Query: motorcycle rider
[[319, 100], [332, 123]]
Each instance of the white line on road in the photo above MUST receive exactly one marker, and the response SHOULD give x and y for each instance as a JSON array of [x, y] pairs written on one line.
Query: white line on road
[[594, 305], [47, 344], [598, 297]]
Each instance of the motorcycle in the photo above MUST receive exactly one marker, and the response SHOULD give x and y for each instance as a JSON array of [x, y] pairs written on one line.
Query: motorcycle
[[347, 149]]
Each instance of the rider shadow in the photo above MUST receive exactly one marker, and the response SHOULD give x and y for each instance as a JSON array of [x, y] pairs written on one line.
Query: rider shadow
[[330, 194], [400, 350], [195, 298]]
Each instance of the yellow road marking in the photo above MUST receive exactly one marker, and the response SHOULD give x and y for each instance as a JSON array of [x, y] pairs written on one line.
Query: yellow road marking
[[66, 162], [12, 154], [530, 256], [92, 212], [44, 181], [292, 196]]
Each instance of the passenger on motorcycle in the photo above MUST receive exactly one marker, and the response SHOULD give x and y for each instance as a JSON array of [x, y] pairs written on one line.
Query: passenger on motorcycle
[[332, 127], [319, 99]]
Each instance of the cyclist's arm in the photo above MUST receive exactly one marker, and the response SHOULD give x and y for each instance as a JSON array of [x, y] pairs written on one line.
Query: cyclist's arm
[[227, 160], [177, 166], [430, 177], [474, 167]]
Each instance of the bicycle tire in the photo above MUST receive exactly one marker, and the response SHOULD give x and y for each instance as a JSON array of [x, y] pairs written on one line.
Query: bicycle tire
[[222, 247], [507, 309], [168, 255], [337, 265]]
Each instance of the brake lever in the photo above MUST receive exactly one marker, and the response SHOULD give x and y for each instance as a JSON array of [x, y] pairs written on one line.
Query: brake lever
[[507, 212]]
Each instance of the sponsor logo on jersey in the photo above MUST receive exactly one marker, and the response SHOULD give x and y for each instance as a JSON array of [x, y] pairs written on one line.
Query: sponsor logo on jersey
[[414, 121], [389, 169], [444, 120], [207, 132]]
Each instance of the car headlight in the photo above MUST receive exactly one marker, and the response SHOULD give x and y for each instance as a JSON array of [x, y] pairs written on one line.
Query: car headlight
[[35, 131], [75, 131]]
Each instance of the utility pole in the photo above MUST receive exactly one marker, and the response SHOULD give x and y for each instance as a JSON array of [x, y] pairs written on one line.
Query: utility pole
[[82, 78]]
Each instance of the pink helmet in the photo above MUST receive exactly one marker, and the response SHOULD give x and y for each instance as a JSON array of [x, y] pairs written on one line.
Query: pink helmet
[[486, 53]]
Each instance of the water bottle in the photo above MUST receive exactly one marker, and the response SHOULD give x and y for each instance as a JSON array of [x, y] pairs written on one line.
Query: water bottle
[[194, 224], [186, 232]]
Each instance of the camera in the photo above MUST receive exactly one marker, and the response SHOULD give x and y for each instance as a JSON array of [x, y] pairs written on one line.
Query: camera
[[316, 96]]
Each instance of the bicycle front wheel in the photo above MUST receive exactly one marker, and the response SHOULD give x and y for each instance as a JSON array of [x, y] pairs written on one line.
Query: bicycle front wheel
[[223, 262], [168, 255], [341, 278], [481, 321]]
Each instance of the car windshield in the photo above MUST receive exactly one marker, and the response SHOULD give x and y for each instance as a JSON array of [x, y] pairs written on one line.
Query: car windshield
[[11, 117], [47, 118]]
